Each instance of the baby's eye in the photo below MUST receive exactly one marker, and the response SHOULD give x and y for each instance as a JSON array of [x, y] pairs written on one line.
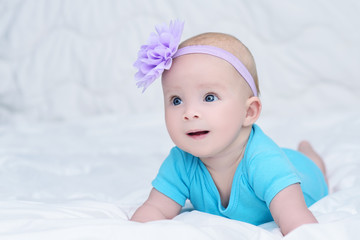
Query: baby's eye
[[176, 101], [211, 98]]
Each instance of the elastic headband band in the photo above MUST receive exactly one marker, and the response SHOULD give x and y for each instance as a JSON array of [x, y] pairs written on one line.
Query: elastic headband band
[[162, 47], [220, 53]]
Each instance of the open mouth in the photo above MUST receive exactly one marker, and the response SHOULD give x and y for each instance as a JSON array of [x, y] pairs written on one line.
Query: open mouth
[[197, 133]]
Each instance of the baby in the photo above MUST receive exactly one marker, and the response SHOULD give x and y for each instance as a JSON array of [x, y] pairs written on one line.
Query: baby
[[223, 162]]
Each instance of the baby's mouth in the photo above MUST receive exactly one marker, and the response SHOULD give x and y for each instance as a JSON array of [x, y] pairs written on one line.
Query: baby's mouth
[[197, 133]]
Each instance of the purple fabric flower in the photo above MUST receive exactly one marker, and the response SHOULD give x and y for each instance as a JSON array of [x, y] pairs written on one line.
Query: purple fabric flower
[[157, 54]]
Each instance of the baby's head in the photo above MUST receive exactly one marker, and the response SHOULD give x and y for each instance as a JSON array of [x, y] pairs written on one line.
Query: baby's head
[[230, 44], [210, 88], [210, 98]]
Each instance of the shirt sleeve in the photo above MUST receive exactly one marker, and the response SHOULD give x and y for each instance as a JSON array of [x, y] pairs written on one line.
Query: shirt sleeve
[[172, 179], [270, 173]]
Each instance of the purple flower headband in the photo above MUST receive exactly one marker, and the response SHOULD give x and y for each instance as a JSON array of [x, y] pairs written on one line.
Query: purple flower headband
[[156, 55], [162, 48]]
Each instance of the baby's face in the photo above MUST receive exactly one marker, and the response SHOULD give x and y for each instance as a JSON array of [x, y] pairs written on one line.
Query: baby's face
[[205, 104]]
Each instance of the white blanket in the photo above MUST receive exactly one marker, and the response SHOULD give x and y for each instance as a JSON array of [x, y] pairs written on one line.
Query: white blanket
[[79, 144]]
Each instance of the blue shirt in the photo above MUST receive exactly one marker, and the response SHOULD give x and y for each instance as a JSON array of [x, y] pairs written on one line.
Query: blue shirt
[[263, 172]]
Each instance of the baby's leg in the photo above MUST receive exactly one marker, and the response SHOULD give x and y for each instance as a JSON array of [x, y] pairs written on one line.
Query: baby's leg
[[306, 148]]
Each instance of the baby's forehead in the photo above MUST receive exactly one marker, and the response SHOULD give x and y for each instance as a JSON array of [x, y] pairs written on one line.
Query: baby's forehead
[[199, 88], [201, 66], [205, 73], [213, 77]]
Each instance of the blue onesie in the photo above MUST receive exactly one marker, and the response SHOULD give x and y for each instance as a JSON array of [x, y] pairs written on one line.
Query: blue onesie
[[264, 171]]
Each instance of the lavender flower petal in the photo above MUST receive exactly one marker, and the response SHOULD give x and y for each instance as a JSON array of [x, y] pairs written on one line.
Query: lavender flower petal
[[156, 55]]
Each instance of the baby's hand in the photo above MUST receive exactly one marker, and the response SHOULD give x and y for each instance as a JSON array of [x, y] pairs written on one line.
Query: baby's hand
[[156, 207]]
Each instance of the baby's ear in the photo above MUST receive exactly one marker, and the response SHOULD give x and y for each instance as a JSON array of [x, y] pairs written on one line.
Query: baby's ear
[[253, 106]]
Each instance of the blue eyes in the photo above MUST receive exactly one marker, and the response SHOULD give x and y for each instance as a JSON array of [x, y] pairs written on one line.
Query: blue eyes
[[208, 98], [176, 101]]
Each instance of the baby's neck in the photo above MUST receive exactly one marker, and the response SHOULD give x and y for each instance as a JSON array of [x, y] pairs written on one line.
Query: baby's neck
[[228, 160], [222, 167], [222, 170]]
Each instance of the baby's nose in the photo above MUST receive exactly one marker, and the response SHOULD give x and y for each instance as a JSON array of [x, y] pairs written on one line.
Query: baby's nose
[[190, 115]]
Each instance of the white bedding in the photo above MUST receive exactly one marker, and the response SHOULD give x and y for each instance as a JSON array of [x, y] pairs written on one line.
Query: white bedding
[[79, 144]]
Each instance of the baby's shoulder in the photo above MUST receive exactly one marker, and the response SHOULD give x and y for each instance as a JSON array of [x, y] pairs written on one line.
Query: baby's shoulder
[[262, 154], [185, 161]]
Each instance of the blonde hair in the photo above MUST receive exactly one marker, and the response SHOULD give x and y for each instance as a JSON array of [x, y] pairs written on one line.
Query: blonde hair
[[230, 44]]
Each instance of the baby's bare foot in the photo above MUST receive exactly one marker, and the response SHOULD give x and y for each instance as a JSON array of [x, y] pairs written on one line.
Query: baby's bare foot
[[306, 148]]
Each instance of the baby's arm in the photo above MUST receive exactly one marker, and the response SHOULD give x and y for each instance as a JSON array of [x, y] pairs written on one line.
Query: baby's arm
[[156, 207], [289, 209]]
